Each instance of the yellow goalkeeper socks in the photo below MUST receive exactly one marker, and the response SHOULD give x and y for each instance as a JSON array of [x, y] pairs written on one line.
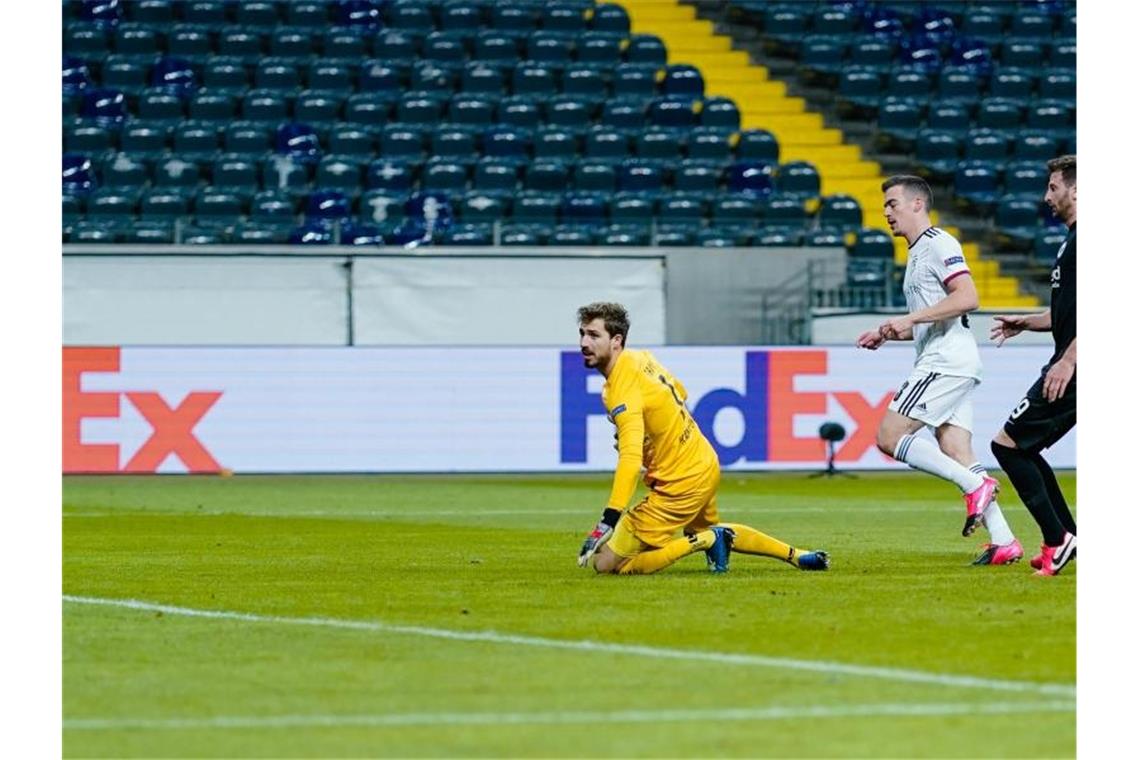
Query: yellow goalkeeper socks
[[658, 559], [751, 541]]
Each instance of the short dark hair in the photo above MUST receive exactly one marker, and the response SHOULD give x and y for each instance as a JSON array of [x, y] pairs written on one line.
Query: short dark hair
[[911, 185], [1067, 165], [613, 314]]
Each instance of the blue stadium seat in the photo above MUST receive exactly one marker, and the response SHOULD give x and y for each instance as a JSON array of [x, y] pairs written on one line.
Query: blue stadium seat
[[1058, 84], [351, 140], [471, 109], [401, 141], [330, 76], [696, 175], [875, 53], [452, 141], [288, 42], [646, 48], [1046, 243], [122, 170], [444, 47], [641, 176], [197, 140], [735, 211], [485, 206], [724, 237], [584, 208], [410, 15], [104, 107], [76, 75], [369, 109], [381, 76], [684, 208], [659, 143], [624, 235], [532, 78], [494, 46], [937, 153], [225, 74], [247, 137], [318, 106], [972, 54], [757, 144], [382, 207], [214, 205], [798, 179], [124, 73], [719, 112], [468, 235], [632, 209], [599, 49], [710, 143], [920, 52], [285, 174], [983, 24], [555, 142], [300, 141], [1018, 51], [482, 77], [594, 174], [1035, 146], [1052, 115], [257, 13], [549, 174], [143, 138], [137, 39], [534, 207], [243, 43], [110, 202], [610, 17], [1026, 178], [840, 212], [674, 111], [834, 20], [569, 111], [1031, 25], [364, 16], [674, 235], [683, 79], [872, 244], [523, 111], [514, 16], [860, 90], [177, 171], [419, 107], [396, 45], [461, 15], [564, 16], [898, 124], [78, 175], [572, 234], [310, 14], [158, 104], [977, 186], [339, 173], [909, 82], [312, 233], [1016, 223], [174, 75], [584, 80], [549, 47], [327, 205], [822, 57], [233, 171], [276, 74], [272, 206], [446, 175], [988, 145], [506, 141], [526, 235], [1010, 82], [1000, 113], [635, 80], [606, 142], [623, 113], [958, 83], [342, 42], [497, 174], [1063, 53], [752, 178], [949, 116]]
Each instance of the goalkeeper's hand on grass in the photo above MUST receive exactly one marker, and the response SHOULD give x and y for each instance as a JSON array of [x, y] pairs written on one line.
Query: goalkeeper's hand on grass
[[598, 536]]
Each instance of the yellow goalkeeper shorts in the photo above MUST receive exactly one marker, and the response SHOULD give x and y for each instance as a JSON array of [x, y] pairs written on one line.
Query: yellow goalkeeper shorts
[[655, 520]]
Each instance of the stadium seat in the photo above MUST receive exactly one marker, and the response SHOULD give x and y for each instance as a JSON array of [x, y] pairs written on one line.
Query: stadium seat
[[1009, 82], [507, 141], [401, 141], [264, 105], [645, 48], [639, 175], [635, 81], [983, 24], [720, 113], [261, 233], [468, 235], [840, 212], [610, 17], [446, 175], [327, 205], [757, 144], [937, 153], [684, 208], [513, 16], [176, 171], [798, 179], [213, 106], [419, 108], [444, 47], [604, 142], [213, 205], [382, 207], [85, 40], [495, 174], [78, 174], [908, 82], [631, 209], [710, 143], [107, 202], [318, 106], [410, 16], [391, 175], [977, 186], [395, 45], [872, 244], [595, 174], [1052, 115], [1046, 243], [1058, 84], [598, 49], [143, 138], [555, 142], [752, 178], [1026, 178], [735, 211], [137, 39], [234, 172], [351, 140], [104, 107], [524, 111], [1035, 146], [534, 207], [330, 76], [623, 235], [859, 92], [1063, 53], [339, 173], [826, 238], [123, 170], [658, 143], [549, 47], [973, 54], [958, 83], [989, 145], [247, 137], [875, 53], [1016, 223], [526, 235], [285, 173], [898, 124], [1000, 113], [272, 206], [533, 78], [695, 175], [461, 15], [569, 111], [484, 206], [679, 111], [623, 113], [581, 79], [196, 140], [369, 109], [821, 59], [299, 141], [174, 75], [584, 208]]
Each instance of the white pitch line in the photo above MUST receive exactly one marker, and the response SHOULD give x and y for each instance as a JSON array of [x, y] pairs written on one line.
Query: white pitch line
[[482, 512], [384, 720], [663, 653]]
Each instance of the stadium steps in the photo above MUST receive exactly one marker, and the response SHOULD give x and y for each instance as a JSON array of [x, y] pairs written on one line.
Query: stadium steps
[[802, 133]]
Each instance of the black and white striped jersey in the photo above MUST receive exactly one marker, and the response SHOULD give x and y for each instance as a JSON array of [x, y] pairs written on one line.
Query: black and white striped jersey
[[947, 346]]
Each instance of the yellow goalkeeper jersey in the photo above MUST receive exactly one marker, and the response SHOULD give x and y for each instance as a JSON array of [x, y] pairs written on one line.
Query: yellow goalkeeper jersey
[[647, 404]]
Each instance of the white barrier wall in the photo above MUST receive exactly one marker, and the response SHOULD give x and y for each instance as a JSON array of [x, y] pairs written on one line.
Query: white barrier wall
[[480, 301], [479, 409]]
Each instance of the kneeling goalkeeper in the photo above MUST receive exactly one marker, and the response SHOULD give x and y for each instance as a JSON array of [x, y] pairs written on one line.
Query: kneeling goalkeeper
[[654, 429]]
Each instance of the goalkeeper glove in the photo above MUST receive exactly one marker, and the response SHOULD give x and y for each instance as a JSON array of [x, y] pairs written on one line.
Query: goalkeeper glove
[[598, 536]]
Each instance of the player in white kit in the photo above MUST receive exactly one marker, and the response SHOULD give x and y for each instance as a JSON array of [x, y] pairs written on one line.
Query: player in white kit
[[939, 294]]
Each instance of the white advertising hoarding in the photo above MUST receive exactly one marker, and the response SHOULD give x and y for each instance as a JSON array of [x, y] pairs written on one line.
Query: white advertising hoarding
[[493, 409]]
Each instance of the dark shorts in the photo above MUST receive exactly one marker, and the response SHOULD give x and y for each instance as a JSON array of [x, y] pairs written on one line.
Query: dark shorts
[[1035, 424]]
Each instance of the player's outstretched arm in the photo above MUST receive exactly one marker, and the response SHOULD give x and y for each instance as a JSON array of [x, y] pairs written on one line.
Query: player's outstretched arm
[[871, 340], [1009, 325]]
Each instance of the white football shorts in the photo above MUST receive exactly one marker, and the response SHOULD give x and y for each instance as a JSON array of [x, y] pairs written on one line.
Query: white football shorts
[[936, 399]]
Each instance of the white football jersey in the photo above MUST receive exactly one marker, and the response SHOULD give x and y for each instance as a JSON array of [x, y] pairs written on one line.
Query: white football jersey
[[947, 346]]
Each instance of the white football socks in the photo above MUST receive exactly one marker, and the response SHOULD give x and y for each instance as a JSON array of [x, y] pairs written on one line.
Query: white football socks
[[992, 518], [922, 454]]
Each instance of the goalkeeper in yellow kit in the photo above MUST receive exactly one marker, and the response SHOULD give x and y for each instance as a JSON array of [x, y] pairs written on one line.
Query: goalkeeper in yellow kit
[[655, 430]]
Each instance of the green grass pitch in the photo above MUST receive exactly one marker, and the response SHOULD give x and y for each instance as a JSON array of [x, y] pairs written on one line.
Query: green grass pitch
[[444, 616]]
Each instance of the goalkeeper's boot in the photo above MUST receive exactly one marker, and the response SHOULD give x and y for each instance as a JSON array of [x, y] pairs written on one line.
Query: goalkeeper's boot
[[976, 503], [1054, 558], [717, 554], [813, 560], [993, 554]]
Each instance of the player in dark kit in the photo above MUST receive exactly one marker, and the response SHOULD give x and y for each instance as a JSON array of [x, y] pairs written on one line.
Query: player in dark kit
[[1049, 409]]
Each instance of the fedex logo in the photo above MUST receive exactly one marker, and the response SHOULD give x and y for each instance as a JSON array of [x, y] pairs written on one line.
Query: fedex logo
[[769, 405], [172, 426]]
